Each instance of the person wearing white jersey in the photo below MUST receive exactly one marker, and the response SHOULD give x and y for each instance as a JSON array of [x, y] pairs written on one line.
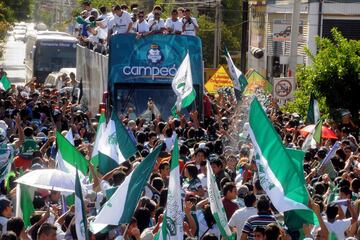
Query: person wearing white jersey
[[141, 27], [173, 25], [120, 23], [157, 24], [190, 24]]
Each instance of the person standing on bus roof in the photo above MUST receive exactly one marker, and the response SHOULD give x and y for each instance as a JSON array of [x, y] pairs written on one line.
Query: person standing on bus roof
[[141, 27], [157, 24], [173, 25], [190, 25], [120, 23], [87, 6]]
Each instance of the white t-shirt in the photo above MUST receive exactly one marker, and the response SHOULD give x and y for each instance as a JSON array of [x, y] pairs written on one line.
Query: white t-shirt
[[150, 16], [95, 38], [141, 27], [203, 227], [239, 218], [120, 24], [190, 28], [158, 24], [338, 227], [173, 26]]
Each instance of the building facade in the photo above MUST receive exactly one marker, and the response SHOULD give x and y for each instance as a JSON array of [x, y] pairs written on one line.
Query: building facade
[[270, 28]]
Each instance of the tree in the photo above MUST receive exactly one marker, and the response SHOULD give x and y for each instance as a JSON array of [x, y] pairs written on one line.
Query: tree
[[333, 77]]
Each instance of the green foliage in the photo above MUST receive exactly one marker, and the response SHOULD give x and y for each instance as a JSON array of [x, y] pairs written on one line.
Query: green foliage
[[19, 9], [334, 77]]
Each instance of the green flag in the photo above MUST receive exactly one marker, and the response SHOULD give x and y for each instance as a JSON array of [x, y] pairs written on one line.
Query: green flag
[[24, 203], [5, 84], [70, 154], [80, 215], [182, 86], [172, 225], [239, 80], [216, 205], [115, 146], [313, 138], [100, 129], [313, 113], [121, 206], [282, 180]]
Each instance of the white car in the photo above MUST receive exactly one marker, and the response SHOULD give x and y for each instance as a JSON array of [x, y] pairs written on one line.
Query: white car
[[19, 34]]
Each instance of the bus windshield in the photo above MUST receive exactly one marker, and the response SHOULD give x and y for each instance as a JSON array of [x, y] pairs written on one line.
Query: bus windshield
[[52, 56]]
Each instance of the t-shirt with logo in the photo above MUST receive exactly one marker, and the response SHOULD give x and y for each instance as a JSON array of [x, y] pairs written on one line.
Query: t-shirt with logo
[[141, 27], [173, 26], [156, 25], [190, 27], [120, 24], [28, 147]]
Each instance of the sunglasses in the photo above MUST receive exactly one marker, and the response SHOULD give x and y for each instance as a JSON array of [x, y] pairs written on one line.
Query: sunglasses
[[140, 16]]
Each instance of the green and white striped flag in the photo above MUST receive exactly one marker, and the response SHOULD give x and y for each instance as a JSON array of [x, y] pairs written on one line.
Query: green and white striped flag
[[313, 138], [61, 163], [216, 205], [116, 145], [71, 156], [5, 84], [239, 80], [24, 203], [172, 225], [80, 215], [313, 114], [121, 206], [99, 131], [182, 85], [277, 167]]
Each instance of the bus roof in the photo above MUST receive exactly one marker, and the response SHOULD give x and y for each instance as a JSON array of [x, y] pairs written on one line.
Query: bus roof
[[52, 35], [55, 37]]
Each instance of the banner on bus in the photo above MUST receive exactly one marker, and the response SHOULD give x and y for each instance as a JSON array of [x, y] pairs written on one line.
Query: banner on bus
[[152, 59]]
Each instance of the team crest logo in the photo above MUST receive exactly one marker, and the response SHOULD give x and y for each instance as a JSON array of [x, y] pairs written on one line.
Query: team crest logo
[[112, 139], [154, 54]]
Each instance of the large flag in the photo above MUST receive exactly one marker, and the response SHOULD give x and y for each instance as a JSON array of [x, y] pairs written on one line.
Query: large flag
[[313, 138], [277, 167], [313, 114], [216, 205], [5, 84], [80, 215], [61, 164], [115, 146], [182, 85], [239, 80], [24, 203], [99, 131], [121, 206], [70, 154], [172, 225]]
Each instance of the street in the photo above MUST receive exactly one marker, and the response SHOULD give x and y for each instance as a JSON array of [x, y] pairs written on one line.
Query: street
[[12, 61]]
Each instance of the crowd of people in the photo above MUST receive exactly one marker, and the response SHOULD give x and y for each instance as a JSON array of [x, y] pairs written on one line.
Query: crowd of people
[[95, 26], [31, 115]]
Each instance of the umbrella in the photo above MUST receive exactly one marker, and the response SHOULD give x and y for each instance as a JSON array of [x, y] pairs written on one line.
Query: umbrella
[[50, 179], [325, 132]]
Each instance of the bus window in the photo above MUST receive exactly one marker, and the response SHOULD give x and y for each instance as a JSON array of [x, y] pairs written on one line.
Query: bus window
[[49, 58]]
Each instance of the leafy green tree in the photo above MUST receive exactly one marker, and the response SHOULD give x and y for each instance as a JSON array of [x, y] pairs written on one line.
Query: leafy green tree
[[333, 77]]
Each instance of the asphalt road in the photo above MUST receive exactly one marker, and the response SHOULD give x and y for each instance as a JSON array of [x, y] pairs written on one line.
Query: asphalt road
[[13, 59]]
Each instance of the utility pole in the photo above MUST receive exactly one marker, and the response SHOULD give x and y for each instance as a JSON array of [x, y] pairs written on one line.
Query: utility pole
[[217, 33], [294, 37], [244, 34]]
